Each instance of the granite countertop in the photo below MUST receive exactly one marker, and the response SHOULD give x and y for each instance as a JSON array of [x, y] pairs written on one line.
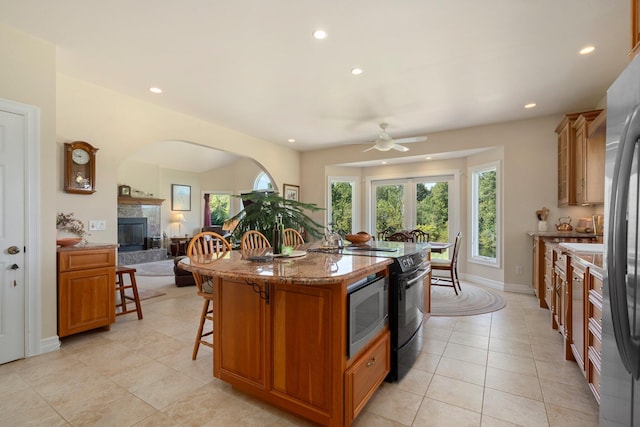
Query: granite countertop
[[588, 254], [82, 247], [313, 268], [562, 234]]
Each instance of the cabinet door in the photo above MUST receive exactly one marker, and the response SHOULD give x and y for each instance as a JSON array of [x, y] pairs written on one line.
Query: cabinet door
[[241, 332], [565, 137], [579, 152], [86, 300], [303, 345]]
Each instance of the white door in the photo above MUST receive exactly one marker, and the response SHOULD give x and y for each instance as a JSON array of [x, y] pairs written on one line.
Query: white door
[[12, 236]]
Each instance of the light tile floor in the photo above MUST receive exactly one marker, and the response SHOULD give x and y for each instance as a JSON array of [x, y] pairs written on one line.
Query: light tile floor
[[499, 369]]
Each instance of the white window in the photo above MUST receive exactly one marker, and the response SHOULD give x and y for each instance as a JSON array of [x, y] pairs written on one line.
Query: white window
[[343, 213], [485, 214], [262, 182]]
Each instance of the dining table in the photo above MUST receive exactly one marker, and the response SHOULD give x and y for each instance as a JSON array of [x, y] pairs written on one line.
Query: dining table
[[440, 247]]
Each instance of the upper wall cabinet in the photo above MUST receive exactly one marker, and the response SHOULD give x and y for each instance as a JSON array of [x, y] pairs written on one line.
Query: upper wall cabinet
[[574, 161], [635, 27]]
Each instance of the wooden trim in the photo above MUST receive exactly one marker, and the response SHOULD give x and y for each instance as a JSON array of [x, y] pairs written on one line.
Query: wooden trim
[[635, 28], [139, 201]]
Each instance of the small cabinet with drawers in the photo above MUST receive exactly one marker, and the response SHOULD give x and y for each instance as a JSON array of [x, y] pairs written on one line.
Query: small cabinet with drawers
[[86, 288]]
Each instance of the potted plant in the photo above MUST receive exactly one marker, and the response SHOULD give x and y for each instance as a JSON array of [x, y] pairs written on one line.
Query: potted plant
[[261, 209], [71, 224]]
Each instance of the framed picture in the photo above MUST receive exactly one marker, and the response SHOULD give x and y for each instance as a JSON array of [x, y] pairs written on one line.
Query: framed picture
[[180, 197], [291, 192], [124, 191]]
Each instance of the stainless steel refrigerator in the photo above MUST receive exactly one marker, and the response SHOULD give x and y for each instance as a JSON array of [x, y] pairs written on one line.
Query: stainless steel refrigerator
[[619, 385]]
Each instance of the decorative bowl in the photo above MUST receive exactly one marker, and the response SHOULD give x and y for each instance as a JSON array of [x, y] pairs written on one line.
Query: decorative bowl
[[358, 238], [68, 241]]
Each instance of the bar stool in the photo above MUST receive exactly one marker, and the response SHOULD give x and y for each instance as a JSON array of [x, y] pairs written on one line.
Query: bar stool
[[121, 286]]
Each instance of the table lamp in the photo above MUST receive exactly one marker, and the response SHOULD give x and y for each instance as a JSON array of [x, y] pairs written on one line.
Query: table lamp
[[177, 217]]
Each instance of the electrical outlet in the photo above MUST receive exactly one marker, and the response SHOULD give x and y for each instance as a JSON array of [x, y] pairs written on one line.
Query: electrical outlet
[[518, 270], [97, 225]]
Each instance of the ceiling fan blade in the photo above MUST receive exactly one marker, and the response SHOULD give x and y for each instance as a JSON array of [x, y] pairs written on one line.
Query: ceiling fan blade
[[411, 139], [369, 149], [399, 147]]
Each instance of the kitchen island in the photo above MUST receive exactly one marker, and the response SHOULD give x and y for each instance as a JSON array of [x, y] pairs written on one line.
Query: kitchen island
[[280, 332]]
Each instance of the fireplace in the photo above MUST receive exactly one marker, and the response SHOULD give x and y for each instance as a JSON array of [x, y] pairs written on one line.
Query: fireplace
[[132, 234]]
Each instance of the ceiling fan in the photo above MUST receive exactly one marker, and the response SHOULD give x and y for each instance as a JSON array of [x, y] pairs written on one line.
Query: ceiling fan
[[384, 142]]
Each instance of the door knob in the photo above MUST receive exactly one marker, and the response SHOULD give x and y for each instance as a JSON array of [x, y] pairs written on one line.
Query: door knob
[[14, 267], [12, 250]]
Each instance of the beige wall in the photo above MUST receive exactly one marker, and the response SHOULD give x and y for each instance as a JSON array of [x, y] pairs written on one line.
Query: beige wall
[[527, 150], [27, 76]]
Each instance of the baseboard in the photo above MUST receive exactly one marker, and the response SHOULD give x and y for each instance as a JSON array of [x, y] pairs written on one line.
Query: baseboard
[[49, 344], [483, 281], [518, 288]]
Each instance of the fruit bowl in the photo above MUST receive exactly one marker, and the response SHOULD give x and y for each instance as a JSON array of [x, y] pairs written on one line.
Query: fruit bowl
[[68, 241], [358, 238]]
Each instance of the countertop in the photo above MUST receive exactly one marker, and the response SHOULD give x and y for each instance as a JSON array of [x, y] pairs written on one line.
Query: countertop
[[591, 258], [314, 268], [562, 234], [81, 247]]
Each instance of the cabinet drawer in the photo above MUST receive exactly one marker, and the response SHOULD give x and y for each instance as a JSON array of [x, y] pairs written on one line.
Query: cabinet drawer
[[364, 376], [86, 259], [596, 284]]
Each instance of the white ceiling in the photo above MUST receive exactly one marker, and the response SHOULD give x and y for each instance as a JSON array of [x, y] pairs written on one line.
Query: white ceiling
[[252, 65]]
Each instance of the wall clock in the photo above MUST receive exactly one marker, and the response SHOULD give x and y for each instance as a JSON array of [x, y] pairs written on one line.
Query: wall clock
[[79, 167]]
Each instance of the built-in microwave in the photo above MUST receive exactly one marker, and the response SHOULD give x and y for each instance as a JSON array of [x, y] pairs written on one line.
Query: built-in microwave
[[368, 302]]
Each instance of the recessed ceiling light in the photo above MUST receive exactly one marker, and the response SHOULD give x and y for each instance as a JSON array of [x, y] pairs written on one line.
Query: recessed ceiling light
[[320, 34], [155, 90], [356, 71], [587, 49], [530, 105], [291, 140]]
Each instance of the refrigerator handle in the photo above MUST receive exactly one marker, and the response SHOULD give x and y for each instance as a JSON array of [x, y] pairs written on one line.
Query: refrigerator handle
[[628, 346]]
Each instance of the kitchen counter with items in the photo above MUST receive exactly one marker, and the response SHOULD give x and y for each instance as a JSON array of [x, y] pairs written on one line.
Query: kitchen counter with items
[[283, 331]]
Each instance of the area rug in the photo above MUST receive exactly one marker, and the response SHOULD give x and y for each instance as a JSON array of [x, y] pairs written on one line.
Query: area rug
[[472, 300], [144, 294], [155, 268]]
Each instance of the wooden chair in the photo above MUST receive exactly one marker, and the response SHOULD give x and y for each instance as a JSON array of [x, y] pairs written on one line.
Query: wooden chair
[[292, 237], [400, 237], [384, 234], [419, 236], [448, 265], [205, 245], [253, 239]]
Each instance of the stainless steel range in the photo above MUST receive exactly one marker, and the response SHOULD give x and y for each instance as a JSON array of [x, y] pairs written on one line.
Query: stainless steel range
[[406, 298]]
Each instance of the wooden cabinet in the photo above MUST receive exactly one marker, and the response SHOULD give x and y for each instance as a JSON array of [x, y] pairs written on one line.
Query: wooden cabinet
[[549, 281], [544, 283], [579, 275], [593, 318], [364, 377], [86, 289], [573, 131], [589, 159], [563, 274], [286, 343]]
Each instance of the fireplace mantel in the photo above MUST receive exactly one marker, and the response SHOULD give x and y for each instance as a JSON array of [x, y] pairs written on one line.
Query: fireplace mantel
[[139, 201]]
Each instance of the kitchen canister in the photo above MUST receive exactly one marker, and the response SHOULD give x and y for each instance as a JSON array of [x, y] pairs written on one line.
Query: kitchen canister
[[542, 226]]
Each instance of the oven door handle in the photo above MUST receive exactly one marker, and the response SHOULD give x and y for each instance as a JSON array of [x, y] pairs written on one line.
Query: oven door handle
[[410, 283]]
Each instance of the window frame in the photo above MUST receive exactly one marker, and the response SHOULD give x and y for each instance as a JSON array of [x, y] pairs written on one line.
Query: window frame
[[474, 174]]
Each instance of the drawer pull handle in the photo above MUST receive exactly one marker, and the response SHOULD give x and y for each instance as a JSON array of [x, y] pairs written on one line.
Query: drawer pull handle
[[371, 362]]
